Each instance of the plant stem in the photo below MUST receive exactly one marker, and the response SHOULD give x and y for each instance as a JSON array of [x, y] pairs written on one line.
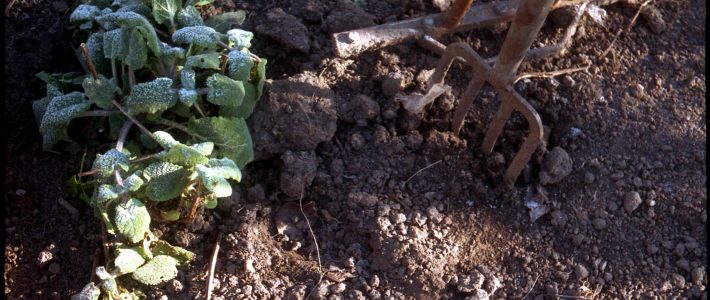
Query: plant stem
[[87, 173], [131, 79], [146, 131], [181, 127], [89, 63], [96, 113], [114, 72], [144, 158]]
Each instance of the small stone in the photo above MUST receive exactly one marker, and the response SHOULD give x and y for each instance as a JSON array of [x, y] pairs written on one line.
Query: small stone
[[434, 214], [441, 5], [558, 218], [678, 280], [357, 141], [557, 165], [581, 271], [568, 81], [478, 294], [399, 218], [589, 178], [651, 249], [632, 200], [321, 291], [296, 293], [492, 284], [698, 275], [679, 250], [471, 283], [54, 268], [337, 288], [392, 84], [599, 223], [175, 286], [44, 258]]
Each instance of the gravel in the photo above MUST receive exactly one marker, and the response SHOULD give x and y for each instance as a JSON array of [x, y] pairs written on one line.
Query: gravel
[[632, 200]]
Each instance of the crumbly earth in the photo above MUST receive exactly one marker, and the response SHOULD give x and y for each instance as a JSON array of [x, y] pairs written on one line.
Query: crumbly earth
[[394, 206]]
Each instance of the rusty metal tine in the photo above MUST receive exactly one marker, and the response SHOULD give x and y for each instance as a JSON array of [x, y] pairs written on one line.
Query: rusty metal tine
[[526, 24], [532, 141], [456, 12], [496, 126], [474, 87]]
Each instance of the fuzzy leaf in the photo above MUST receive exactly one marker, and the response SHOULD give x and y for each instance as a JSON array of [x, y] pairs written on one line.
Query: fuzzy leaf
[[246, 109], [199, 35], [167, 51], [189, 16], [226, 168], [226, 21], [135, 6], [165, 181], [224, 90], [106, 193], [127, 261], [39, 107], [100, 91], [89, 292], [164, 10], [115, 43], [211, 201], [132, 220], [187, 97], [199, 2], [230, 135], [108, 283], [105, 164], [84, 13], [185, 156], [240, 65], [60, 111], [170, 215], [95, 45], [213, 182], [133, 183], [134, 21], [187, 78], [260, 77], [160, 269], [181, 255], [204, 148], [239, 39], [209, 60], [165, 139], [152, 97], [137, 50]]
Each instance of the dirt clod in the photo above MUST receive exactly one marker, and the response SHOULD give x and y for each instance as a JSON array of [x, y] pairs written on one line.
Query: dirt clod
[[285, 29], [347, 16], [298, 172], [557, 165]]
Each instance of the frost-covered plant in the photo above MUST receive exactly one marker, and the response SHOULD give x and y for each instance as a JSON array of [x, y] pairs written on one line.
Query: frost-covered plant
[[187, 85]]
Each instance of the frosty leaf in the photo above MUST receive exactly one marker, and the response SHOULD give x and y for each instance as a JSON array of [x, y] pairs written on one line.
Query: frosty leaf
[[127, 261], [224, 90], [165, 180], [39, 107], [170, 215], [83, 13], [181, 255], [86, 25], [230, 135], [187, 97], [60, 111], [187, 78], [105, 164], [100, 91], [199, 2], [185, 156], [239, 39], [240, 65], [189, 16], [226, 21], [226, 168], [134, 21], [164, 10], [132, 220], [108, 282], [158, 270], [165, 139], [114, 46], [245, 110], [176, 52], [106, 193], [152, 97], [95, 45], [199, 35], [89, 292], [213, 182], [209, 60], [135, 6], [204, 148], [137, 51], [260, 77], [133, 182]]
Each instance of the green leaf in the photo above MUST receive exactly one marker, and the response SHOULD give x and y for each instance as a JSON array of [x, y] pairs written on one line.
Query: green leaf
[[199, 35], [115, 43], [137, 50], [106, 193], [100, 91], [189, 16], [134, 20], [213, 182], [39, 107], [187, 97], [127, 261], [225, 167], [164, 10], [209, 60], [132, 220], [134, 6], [152, 97], [160, 269], [246, 109], [60, 111], [170, 215], [108, 283], [211, 201], [165, 181], [89, 292], [84, 13], [226, 21], [182, 256], [81, 190], [204, 148], [260, 77], [240, 65], [224, 90], [187, 78], [230, 135], [239, 39], [165, 139], [95, 45], [168, 51], [200, 2], [106, 163], [133, 183], [185, 156]]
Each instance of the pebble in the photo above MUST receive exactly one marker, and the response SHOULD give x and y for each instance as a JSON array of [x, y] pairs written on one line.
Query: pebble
[[589, 178], [683, 264], [44, 258], [678, 280], [568, 81], [478, 294], [599, 224], [558, 218], [632, 200], [698, 275], [434, 214], [399, 218], [470, 283], [581, 271], [337, 288], [557, 165]]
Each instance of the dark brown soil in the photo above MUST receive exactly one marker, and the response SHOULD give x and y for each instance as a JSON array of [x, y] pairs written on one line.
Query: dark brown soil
[[399, 206]]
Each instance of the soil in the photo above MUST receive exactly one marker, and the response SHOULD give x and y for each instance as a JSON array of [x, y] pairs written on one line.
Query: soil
[[354, 198]]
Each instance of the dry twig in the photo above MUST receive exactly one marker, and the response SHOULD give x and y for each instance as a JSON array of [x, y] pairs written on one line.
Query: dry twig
[[315, 242], [213, 263], [549, 74], [531, 288], [628, 28], [420, 170]]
